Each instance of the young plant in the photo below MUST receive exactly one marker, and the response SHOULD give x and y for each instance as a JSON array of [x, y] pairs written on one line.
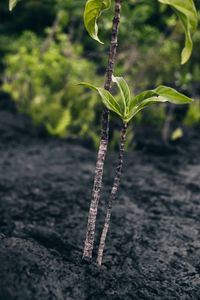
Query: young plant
[[126, 108], [93, 10], [187, 15]]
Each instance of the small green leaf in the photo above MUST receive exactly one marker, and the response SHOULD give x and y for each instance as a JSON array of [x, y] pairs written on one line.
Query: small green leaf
[[159, 95], [107, 98], [146, 102], [177, 134], [137, 100], [124, 91], [93, 10], [109, 101], [172, 95], [88, 86], [186, 11], [12, 4]]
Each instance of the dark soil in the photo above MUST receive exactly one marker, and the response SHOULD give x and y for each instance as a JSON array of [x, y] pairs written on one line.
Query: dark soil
[[153, 246]]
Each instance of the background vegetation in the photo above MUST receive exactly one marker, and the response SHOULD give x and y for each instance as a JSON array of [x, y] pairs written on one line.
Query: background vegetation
[[45, 51]]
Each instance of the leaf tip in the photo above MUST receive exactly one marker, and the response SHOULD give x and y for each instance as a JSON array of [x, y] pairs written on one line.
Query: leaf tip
[[184, 58], [100, 42]]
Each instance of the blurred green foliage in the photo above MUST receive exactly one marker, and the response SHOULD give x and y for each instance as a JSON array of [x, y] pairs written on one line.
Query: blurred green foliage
[[193, 115], [41, 77], [45, 51]]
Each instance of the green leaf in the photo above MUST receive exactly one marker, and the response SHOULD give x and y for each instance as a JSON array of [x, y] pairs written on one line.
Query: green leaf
[[159, 95], [172, 95], [186, 11], [93, 10], [146, 102], [88, 86], [12, 4], [140, 98], [107, 98], [125, 93]]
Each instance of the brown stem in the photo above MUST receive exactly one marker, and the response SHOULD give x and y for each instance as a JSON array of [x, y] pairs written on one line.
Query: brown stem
[[90, 232], [113, 195]]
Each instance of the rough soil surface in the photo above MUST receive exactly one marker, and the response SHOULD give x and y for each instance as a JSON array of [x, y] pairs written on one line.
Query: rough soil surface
[[153, 246]]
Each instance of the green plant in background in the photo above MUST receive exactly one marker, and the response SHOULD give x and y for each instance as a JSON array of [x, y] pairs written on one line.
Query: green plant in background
[[145, 26], [125, 107], [193, 114], [42, 84]]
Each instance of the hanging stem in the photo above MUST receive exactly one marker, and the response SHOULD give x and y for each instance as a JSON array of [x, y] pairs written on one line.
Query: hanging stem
[[90, 233], [113, 194]]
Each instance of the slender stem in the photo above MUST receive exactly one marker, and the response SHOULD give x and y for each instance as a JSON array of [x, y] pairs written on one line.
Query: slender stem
[[113, 194], [113, 45], [90, 232]]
